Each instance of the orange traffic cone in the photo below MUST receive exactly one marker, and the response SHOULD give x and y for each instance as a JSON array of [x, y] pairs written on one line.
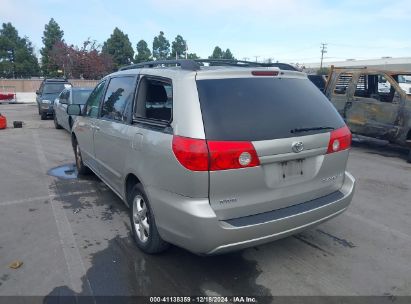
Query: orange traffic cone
[[3, 122]]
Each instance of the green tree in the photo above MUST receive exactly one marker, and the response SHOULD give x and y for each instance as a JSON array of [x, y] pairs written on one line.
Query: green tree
[[17, 56], [119, 47], [192, 56], [52, 34], [228, 55], [217, 53], [143, 52], [178, 48], [161, 47]]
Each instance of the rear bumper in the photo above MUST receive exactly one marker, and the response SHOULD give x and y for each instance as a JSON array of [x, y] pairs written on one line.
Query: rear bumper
[[192, 224]]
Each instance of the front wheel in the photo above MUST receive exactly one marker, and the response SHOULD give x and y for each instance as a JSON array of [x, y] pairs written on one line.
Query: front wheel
[[143, 224], [81, 168], [409, 157], [43, 116], [56, 124]]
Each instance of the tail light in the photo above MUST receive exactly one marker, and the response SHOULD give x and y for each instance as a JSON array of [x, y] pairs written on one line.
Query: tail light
[[264, 73], [202, 155], [340, 139], [226, 155], [191, 153]]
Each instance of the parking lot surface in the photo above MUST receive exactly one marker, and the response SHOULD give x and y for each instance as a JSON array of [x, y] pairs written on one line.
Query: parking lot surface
[[73, 234]]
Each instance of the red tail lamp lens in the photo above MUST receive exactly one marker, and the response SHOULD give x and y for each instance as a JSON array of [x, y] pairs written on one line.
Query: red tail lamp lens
[[191, 153], [225, 155], [202, 155], [340, 139]]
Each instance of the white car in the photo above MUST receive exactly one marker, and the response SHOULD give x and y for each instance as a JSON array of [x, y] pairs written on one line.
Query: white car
[[405, 83], [68, 96]]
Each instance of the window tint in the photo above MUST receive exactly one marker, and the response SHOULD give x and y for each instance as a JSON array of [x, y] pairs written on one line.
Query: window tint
[[91, 108], [53, 88], [62, 94], [249, 109], [343, 82], [375, 87], [155, 99], [120, 92], [80, 96]]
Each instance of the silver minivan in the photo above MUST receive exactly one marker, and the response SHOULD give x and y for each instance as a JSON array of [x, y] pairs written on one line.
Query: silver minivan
[[215, 158]]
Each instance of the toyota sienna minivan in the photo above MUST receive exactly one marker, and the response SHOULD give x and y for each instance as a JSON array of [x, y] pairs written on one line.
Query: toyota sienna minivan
[[215, 156]]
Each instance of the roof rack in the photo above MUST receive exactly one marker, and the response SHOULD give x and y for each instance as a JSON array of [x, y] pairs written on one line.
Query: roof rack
[[194, 65], [183, 63], [242, 63]]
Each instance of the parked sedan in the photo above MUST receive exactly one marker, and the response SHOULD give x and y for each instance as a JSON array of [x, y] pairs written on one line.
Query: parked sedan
[[68, 96]]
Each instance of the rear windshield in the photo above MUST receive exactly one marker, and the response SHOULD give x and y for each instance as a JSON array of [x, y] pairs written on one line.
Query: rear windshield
[[53, 88], [251, 109], [80, 96]]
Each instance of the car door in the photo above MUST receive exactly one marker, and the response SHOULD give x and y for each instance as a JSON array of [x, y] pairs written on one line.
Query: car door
[[39, 92], [87, 125], [111, 139], [61, 108], [339, 91], [374, 107], [56, 103]]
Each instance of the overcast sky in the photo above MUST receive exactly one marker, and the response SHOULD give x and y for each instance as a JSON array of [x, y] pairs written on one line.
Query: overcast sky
[[286, 30]]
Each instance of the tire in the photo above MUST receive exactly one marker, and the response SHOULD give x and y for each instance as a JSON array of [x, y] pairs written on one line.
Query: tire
[[56, 124], [81, 168], [70, 123], [39, 110], [43, 116], [409, 157], [142, 219]]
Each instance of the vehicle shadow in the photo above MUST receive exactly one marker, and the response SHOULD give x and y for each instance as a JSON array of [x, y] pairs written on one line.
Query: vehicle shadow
[[121, 269]]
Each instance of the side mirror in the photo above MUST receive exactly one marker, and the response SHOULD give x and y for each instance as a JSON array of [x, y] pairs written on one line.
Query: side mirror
[[37, 92], [74, 109]]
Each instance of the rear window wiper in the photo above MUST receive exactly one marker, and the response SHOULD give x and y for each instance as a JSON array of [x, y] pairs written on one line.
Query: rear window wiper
[[300, 130]]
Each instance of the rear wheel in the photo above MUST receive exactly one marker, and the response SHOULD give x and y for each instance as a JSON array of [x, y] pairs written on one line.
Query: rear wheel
[[143, 224], [70, 123], [56, 124], [81, 168]]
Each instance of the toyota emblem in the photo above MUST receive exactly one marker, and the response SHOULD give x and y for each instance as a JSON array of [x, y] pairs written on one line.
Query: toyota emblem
[[297, 147]]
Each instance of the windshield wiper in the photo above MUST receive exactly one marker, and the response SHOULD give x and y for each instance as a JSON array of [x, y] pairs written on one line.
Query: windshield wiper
[[310, 129]]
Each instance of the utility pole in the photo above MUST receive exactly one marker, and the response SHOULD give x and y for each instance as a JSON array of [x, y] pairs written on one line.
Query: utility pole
[[245, 58], [323, 51], [256, 58]]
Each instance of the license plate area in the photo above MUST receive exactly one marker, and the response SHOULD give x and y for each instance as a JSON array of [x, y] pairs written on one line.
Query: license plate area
[[292, 168]]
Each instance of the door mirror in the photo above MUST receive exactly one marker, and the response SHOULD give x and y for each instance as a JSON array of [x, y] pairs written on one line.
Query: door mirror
[[37, 92], [74, 109]]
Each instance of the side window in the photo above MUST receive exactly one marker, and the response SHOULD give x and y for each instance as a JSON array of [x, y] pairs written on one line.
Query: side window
[[61, 96], [93, 102], [65, 95], [119, 96], [375, 86], [155, 99], [343, 81]]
